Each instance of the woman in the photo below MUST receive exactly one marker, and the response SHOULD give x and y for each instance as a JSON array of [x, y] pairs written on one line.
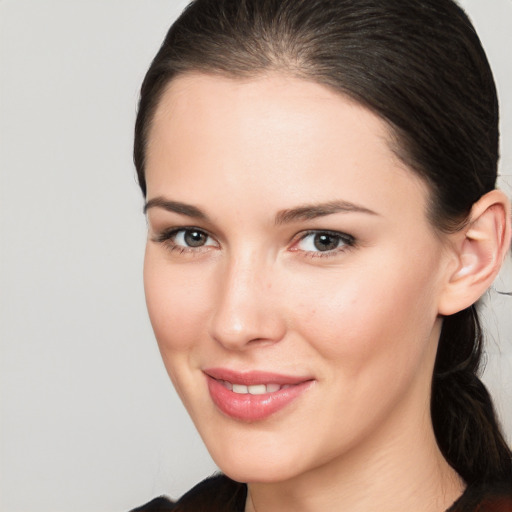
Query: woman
[[319, 178]]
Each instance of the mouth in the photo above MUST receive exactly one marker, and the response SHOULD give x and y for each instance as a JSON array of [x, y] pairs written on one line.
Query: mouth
[[253, 396]]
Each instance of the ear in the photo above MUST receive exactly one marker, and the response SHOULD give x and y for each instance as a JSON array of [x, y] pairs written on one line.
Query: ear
[[479, 249]]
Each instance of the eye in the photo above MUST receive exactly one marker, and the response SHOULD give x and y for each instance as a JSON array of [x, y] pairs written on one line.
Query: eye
[[186, 239], [324, 242], [190, 238]]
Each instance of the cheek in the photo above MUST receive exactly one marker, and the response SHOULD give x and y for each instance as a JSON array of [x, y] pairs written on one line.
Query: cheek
[[374, 333], [176, 301], [177, 307], [358, 316]]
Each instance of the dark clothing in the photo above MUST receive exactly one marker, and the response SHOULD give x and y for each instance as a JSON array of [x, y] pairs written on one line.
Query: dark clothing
[[221, 494], [217, 493], [485, 498]]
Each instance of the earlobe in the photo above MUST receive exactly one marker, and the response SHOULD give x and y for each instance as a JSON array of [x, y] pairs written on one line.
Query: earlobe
[[480, 253]]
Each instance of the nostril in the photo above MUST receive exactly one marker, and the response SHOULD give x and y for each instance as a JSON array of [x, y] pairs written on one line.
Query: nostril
[[249, 330]]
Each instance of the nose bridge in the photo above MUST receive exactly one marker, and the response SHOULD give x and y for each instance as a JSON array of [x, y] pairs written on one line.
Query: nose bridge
[[242, 310]]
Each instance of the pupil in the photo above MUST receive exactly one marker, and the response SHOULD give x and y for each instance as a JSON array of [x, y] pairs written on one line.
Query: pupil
[[325, 242], [195, 238]]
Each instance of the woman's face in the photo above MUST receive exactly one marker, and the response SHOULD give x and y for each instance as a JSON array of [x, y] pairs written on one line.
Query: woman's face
[[292, 277]]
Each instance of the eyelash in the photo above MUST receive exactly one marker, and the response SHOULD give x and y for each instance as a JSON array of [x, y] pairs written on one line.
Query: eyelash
[[167, 238], [347, 242]]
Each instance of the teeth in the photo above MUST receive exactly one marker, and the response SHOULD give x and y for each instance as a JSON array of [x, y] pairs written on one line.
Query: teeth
[[240, 388], [258, 389]]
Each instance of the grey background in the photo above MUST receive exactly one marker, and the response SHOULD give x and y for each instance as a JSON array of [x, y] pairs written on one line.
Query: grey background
[[88, 417]]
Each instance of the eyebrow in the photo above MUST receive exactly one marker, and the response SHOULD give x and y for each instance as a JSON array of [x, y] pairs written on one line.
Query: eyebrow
[[312, 211], [304, 212], [176, 207]]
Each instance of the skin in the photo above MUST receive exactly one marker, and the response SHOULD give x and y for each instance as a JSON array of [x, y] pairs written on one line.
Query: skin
[[362, 320]]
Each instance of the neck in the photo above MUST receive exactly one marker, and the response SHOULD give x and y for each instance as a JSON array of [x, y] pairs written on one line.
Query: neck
[[400, 468]]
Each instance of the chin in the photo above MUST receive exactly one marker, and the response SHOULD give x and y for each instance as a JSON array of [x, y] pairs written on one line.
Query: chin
[[258, 471], [256, 456]]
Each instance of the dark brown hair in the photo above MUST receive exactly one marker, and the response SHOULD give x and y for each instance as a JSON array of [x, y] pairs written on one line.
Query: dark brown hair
[[419, 65]]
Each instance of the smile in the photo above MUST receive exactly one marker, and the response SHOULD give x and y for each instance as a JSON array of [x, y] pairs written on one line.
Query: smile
[[253, 396], [257, 389]]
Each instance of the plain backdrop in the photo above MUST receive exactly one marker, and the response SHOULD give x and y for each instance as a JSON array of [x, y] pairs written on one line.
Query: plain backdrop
[[89, 421]]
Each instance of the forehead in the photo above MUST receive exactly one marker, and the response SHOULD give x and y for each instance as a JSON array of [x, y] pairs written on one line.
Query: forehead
[[272, 101], [272, 133]]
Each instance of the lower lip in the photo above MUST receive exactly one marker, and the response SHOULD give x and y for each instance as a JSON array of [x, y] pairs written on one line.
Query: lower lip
[[247, 407]]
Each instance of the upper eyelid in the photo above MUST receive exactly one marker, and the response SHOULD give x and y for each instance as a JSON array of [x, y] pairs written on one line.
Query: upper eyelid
[[303, 234], [169, 232]]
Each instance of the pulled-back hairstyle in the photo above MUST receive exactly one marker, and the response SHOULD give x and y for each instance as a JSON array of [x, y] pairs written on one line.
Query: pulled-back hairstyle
[[419, 65]]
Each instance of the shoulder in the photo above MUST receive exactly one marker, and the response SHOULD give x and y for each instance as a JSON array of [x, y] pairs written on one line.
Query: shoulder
[[485, 498], [161, 504], [216, 493]]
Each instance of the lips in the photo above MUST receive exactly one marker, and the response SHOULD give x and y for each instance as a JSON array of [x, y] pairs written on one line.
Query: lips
[[253, 396]]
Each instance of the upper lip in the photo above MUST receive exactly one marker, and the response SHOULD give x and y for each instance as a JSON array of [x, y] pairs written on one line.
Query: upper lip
[[254, 377]]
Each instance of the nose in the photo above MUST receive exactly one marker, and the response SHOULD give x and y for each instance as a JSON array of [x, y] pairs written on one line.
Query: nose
[[247, 309]]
